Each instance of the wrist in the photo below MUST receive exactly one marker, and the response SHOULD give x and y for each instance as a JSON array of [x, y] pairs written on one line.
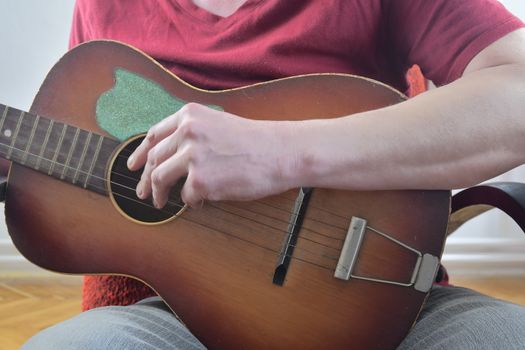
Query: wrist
[[319, 154], [296, 156]]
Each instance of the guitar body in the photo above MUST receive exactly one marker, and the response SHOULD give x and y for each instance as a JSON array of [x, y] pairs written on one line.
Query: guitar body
[[217, 276]]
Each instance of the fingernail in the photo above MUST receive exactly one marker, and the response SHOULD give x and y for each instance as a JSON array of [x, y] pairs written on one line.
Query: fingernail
[[131, 160], [139, 191]]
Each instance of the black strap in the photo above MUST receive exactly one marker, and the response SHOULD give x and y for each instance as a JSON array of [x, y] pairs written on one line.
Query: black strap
[[506, 196], [3, 188]]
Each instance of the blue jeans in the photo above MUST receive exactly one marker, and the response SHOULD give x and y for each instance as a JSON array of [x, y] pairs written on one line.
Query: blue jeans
[[452, 318]]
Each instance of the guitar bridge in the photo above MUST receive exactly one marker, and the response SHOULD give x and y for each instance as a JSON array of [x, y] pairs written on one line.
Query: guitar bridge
[[425, 268], [290, 240]]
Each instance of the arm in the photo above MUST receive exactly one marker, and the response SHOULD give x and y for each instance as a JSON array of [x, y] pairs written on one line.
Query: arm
[[453, 136], [450, 137]]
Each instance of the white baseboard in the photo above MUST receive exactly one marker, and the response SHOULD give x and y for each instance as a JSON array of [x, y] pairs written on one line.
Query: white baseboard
[[485, 257], [12, 263]]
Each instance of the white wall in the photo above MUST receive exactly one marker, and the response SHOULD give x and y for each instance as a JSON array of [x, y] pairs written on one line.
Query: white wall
[[515, 6], [34, 34]]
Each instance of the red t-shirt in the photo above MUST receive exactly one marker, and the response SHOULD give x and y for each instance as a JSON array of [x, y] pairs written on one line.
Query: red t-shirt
[[268, 39]]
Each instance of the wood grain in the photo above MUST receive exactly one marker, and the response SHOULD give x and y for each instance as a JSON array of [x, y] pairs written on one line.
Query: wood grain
[[505, 288], [30, 305]]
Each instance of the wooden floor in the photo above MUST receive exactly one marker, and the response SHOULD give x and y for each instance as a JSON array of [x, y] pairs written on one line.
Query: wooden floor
[[27, 306], [511, 289]]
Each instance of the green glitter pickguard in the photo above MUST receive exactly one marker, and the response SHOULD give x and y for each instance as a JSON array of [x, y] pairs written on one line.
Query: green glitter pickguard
[[134, 104]]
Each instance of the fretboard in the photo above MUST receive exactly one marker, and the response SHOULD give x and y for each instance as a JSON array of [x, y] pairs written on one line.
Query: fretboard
[[59, 150]]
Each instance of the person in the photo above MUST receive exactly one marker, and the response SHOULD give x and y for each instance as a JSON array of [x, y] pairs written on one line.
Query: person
[[470, 128]]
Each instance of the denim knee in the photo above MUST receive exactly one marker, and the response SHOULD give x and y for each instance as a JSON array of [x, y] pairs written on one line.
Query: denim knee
[[133, 327]]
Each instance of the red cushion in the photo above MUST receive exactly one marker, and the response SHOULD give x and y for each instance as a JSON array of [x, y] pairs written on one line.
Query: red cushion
[[112, 290]]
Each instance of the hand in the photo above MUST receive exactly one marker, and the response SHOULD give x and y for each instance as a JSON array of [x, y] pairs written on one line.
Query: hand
[[225, 157]]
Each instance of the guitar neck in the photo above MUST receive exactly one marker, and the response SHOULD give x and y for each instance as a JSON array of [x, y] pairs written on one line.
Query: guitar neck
[[56, 149]]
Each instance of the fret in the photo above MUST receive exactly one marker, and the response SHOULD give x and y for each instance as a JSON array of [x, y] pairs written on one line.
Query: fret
[[57, 150], [64, 158], [34, 147], [44, 144], [54, 148], [30, 141], [94, 160], [13, 136], [70, 154], [6, 140], [82, 157], [4, 115], [22, 137]]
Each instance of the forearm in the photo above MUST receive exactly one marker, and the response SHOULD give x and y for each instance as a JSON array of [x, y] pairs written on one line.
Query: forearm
[[450, 137]]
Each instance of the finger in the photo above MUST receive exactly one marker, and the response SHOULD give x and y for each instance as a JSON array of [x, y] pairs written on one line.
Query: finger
[[156, 156], [144, 186], [192, 194], [156, 134], [165, 176]]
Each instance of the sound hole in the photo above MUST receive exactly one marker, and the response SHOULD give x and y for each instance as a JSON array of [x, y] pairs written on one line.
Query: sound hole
[[123, 183]]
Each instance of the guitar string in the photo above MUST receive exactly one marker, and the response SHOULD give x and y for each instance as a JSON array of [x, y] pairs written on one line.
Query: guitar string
[[293, 225], [294, 215], [331, 269], [253, 243], [179, 206], [254, 212], [122, 156], [279, 230], [81, 171], [200, 223], [232, 235], [280, 196], [292, 245], [280, 209], [309, 207], [280, 220]]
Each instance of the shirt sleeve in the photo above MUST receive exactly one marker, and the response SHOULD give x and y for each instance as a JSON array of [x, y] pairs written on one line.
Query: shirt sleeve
[[442, 36]]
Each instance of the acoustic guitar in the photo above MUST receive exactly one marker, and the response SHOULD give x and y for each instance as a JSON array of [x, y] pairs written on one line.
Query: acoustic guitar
[[307, 269]]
